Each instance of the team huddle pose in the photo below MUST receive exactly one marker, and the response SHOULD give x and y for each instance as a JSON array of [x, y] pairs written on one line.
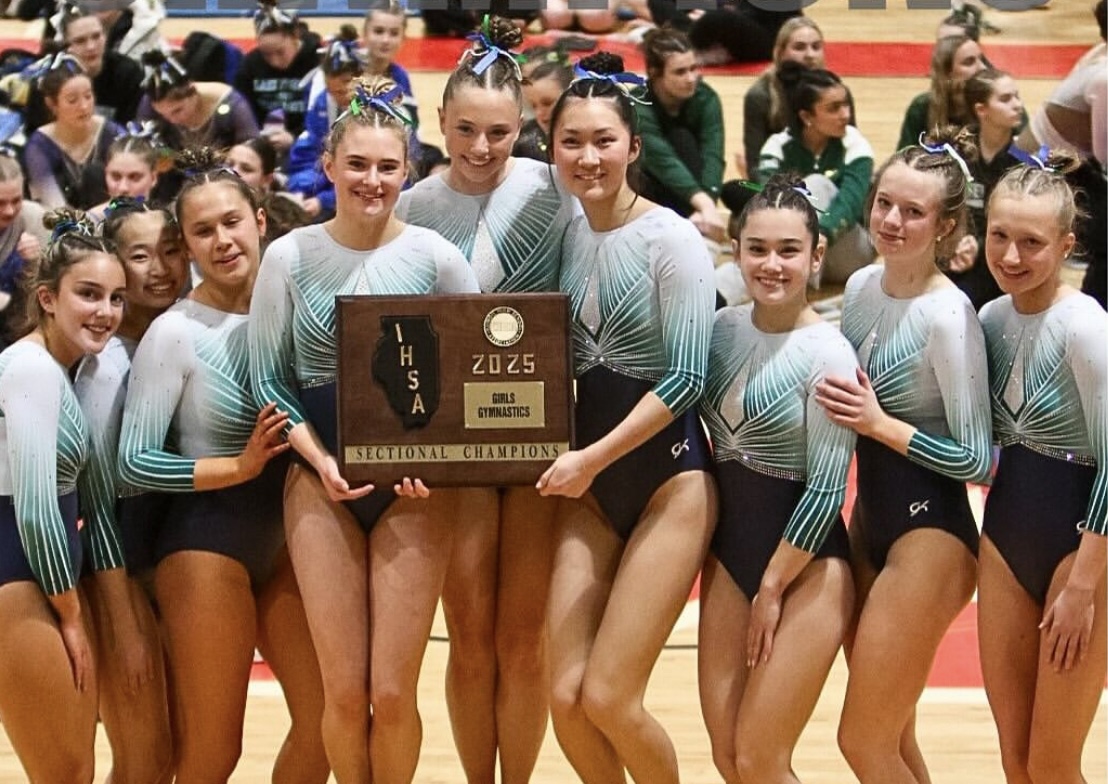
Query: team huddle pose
[[192, 425]]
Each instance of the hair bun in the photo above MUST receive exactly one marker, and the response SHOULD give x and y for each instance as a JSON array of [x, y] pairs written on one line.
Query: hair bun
[[602, 63], [503, 32], [192, 160], [154, 58], [959, 138]]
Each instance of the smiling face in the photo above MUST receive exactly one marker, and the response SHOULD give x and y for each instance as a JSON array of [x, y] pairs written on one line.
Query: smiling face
[[383, 33], [222, 233], [74, 105], [86, 309], [830, 115], [479, 127], [905, 221], [592, 149], [805, 46], [776, 257], [678, 80], [1025, 252], [368, 168], [1004, 109], [128, 174], [155, 260]]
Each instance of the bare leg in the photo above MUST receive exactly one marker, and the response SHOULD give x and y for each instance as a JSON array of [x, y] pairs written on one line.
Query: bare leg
[[586, 556], [469, 605], [781, 694], [928, 578], [655, 575], [409, 552], [1008, 635], [1066, 702], [526, 539], [208, 613], [285, 642], [137, 724], [721, 661], [51, 725], [330, 554]]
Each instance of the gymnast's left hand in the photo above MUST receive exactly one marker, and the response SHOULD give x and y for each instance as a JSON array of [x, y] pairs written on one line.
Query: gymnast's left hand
[[570, 475], [1068, 627], [411, 488], [851, 403]]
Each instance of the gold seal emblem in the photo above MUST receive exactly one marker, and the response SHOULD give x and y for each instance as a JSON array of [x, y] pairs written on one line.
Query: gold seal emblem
[[503, 326]]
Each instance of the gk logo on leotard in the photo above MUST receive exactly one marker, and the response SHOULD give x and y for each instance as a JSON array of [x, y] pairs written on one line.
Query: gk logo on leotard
[[678, 448], [916, 507], [406, 365]]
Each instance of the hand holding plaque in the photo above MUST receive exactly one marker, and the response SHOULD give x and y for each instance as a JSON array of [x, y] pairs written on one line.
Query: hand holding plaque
[[459, 391]]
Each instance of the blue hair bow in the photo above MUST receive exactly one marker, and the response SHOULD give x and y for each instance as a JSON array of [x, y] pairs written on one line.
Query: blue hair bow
[[169, 72], [70, 226], [1036, 161], [52, 62], [947, 149], [630, 84], [363, 101], [340, 52], [488, 51], [269, 17]]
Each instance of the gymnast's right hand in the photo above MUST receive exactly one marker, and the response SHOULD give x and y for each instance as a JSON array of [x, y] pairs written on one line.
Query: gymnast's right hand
[[265, 442], [338, 489]]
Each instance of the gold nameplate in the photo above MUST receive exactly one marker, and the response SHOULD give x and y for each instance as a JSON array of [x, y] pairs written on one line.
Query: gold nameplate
[[490, 405], [385, 454]]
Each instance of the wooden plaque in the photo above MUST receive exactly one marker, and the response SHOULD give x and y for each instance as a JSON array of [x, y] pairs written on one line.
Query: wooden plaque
[[470, 390]]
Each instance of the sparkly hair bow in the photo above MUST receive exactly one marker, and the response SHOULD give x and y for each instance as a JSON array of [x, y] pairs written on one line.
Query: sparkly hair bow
[[268, 18], [488, 52], [341, 54], [1037, 161], [147, 130], [630, 84], [947, 149], [363, 101], [63, 9], [65, 226], [53, 62], [166, 74]]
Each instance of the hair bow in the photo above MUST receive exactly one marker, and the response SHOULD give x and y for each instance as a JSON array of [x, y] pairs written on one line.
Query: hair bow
[[1036, 161], [383, 103], [143, 130], [488, 51], [799, 187], [63, 9], [341, 53], [269, 17], [124, 203], [947, 149], [169, 72], [52, 62], [70, 226], [630, 84]]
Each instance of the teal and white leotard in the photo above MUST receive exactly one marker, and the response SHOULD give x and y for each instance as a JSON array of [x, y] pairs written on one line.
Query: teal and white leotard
[[925, 357], [188, 397], [44, 444], [511, 236], [641, 300], [1049, 379], [760, 409], [101, 387], [293, 342]]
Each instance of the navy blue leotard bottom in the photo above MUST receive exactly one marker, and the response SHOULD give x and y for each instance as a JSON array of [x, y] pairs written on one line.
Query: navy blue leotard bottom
[[623, 489], [899, 496], [244, 522], [754, 511], [14, 565], [321, 406], [1032, 512], [141, 518]]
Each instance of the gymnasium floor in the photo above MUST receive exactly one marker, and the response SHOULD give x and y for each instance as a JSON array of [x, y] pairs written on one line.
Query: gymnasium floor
[[883, 56]]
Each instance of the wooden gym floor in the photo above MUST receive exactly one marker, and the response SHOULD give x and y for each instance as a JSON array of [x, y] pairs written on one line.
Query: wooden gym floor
[[955, 726]]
